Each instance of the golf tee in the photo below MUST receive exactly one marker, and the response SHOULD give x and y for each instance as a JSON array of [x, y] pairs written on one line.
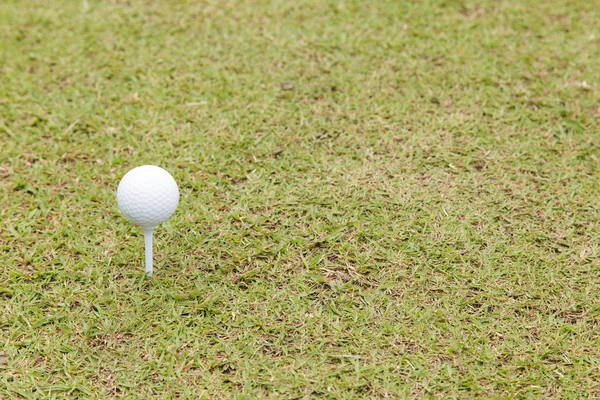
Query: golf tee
[[148, 244]]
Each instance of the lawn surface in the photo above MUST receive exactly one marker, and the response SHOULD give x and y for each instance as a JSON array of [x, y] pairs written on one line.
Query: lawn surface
[[378, 199]]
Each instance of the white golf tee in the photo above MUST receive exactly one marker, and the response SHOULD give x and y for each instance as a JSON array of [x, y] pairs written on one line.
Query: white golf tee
[[148, 243]]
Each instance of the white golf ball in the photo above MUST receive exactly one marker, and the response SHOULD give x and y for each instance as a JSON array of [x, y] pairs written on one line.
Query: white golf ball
[[147, 196]]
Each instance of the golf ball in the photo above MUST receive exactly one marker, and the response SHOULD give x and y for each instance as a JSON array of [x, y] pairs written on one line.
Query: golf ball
[[147, 196]]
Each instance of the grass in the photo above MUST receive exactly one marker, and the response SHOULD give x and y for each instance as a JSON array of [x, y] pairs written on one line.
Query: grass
[[378, 199]]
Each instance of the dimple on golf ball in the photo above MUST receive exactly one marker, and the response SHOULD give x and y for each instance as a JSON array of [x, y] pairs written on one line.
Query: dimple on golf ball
[[147, 196]]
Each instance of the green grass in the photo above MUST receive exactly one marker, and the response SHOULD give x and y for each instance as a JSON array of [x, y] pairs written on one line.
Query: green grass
[[378, 199]]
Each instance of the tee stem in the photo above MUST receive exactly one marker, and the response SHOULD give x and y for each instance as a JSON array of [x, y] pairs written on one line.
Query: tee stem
[[148, 243]]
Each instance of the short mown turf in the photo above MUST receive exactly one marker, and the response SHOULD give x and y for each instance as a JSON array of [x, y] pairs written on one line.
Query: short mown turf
[[384, 199]]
